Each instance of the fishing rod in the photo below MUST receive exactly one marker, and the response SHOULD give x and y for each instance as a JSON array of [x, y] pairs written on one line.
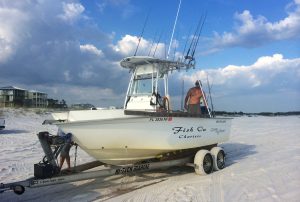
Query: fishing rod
[[187, 39], [192, 42], [196, 44], [152, 43], [175, 47], [157, 43], [174, 29], [204, 98], [209, 91], [141, 35]]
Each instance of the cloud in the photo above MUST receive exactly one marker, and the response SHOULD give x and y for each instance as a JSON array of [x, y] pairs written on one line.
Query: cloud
[[12, 22], [268, 74], [128, 45], [48, 50], [271, 83], [256, 31], [89, 48], [72, 11]]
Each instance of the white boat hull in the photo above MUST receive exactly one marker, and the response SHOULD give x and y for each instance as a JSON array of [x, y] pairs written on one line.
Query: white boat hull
[[123, 139]]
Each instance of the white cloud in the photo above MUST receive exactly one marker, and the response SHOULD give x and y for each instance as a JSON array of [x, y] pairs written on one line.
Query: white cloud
[[72, 11], [12, 20], [128, 44], [271, 83], [90, 48], [268, 73], [255, 31]]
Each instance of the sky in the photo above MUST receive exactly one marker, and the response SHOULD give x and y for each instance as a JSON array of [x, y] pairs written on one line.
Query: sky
[[249, 51]]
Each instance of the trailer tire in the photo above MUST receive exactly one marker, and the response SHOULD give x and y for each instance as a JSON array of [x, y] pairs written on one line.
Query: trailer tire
[[218, 155], [203, 162], [19, 189]]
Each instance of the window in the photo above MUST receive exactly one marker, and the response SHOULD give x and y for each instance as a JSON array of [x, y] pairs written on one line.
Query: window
[[142, 84]]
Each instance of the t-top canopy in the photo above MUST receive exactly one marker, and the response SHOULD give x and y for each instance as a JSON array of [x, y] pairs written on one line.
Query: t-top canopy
[[163, 65]]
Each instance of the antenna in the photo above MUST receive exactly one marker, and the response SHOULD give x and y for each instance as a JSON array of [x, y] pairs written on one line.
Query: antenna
[[173, 29], [141, 34]]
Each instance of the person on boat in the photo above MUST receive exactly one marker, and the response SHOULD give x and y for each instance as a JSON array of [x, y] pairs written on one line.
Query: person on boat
[[64, 154], [192, 99]]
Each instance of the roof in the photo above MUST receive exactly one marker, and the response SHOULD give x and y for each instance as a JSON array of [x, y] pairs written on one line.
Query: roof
[[17, 88], [34, 91], [11, 88], [163, 65]]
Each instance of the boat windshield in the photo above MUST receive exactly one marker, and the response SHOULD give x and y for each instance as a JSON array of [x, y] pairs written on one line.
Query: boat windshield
[[142, 85]]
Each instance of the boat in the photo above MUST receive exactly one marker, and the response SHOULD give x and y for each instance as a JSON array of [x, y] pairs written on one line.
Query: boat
[[146, 127], [146, 134]]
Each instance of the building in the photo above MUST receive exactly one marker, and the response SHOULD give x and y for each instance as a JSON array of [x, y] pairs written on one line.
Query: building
[[35, 99], [11, 96]]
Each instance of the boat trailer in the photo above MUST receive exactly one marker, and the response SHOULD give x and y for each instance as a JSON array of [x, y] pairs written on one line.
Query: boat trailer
[[47, 172]]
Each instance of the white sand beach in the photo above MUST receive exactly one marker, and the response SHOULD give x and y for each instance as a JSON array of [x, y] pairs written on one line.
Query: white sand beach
[[263, 161]]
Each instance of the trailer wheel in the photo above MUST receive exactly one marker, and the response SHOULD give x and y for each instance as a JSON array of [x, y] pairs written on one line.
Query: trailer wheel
[[218, 155], [19, 189], [203, 162]]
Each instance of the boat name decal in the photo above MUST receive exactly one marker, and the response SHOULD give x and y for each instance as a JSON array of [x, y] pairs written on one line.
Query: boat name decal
[[189, 136], [133, 168], [192, 129], [160, 118]]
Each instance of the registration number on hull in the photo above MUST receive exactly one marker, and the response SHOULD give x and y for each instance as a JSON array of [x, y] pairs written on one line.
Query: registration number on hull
[[129, 169]]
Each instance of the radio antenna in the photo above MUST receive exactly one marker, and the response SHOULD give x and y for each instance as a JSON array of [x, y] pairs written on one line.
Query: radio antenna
[[171, 40]]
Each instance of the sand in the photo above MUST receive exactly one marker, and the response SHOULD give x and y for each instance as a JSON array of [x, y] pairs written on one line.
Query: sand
[[263, 160]]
